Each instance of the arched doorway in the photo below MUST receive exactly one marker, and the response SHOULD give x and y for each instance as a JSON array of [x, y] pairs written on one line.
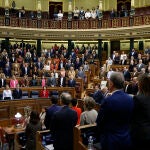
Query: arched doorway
[[54, 8], [123, 7]]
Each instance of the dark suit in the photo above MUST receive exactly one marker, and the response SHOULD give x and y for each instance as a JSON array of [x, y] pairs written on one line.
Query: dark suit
[[51, 81], [113, 121], [127, 75], [72, 83], [7, 71], [49, 113], [98, 96], [63, 81], [140, 66], [132, 89], [4, 83], [140, 129], [62, 125], [17, 94], [24, 71], [134, 54], [123, 62], [39, 65], [12, 59]]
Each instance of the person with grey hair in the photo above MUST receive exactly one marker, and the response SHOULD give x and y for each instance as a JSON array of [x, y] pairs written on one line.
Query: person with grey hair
[[114, 117], [90, 114], [63, 123]]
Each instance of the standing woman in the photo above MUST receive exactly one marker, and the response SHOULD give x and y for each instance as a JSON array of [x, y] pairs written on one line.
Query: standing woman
[[88, 116], [140, 130], [32, 127], [7, 93]]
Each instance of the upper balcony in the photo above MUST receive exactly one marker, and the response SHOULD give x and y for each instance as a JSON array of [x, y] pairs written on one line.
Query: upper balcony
[[137, 26]]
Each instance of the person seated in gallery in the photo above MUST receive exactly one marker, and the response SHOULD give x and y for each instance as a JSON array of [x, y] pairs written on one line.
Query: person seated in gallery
[[60, 15]]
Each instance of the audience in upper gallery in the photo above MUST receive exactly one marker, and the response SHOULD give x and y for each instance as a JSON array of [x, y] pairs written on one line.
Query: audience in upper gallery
[[64, 120], [93, 13], [7, 93], [74, 103], [32, 127], [87, 14], [17, 92], [60, 15], [44, 93], [81, 14], [50, 111], [140, 129], [112, 13], [76, 13], [114, 117], [89, 115]]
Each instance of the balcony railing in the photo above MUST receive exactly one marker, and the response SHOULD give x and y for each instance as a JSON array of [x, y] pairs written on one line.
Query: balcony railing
[[75, 24]]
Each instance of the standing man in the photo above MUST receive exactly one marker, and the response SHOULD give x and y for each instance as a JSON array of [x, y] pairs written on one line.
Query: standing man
[[17, 92], [62, 124], [114, 117], [50, 111]]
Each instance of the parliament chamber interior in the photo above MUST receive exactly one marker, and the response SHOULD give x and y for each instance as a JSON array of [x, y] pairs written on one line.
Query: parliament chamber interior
[[48, 47]]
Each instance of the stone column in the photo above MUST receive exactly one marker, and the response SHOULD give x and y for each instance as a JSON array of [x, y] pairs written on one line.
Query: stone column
[[100, 50], [39, 47], [131, 44]]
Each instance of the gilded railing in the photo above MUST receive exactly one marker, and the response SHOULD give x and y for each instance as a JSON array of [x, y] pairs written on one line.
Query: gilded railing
[[76, 24]]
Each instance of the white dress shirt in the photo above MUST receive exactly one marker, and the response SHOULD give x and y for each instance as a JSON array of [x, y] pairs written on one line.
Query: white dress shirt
[[7, 93]]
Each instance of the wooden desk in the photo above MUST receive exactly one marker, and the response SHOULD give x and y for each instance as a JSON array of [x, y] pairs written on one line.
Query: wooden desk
[[10, 133]]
